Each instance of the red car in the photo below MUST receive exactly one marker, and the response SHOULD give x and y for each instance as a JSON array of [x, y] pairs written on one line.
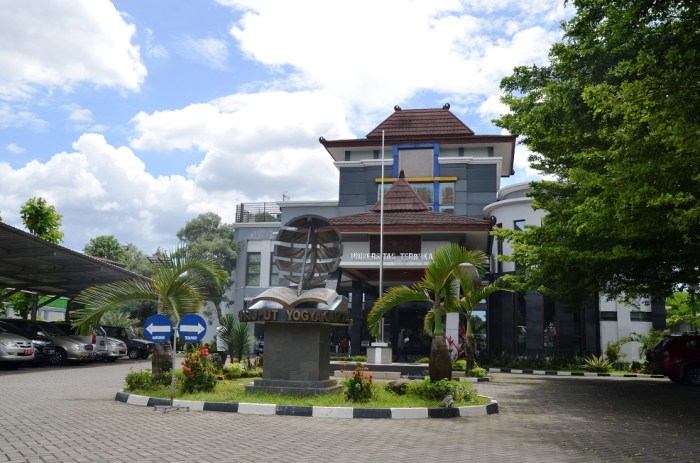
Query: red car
[[678, 357]]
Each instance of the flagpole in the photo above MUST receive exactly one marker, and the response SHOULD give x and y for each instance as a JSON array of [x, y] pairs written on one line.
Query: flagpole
[[381, 240]]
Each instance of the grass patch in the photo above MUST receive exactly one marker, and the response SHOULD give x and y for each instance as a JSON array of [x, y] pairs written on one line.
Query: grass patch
[[233, 390]]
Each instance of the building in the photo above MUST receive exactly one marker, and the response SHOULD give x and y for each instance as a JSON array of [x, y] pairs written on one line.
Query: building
[[443, 185]]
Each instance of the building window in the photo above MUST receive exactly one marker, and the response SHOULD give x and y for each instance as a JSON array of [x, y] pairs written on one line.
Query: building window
[[252, 275], [274, 272], [608, 316], [519, 224], [417, 162], [640, 316], [550, 328]]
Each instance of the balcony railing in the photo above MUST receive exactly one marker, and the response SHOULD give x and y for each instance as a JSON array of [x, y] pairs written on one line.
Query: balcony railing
[[258, 212]]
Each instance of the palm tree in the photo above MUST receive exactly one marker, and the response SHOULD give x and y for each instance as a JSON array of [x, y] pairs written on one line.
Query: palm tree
[[472, 295], [439, 288], [237, 337], [177, 286]]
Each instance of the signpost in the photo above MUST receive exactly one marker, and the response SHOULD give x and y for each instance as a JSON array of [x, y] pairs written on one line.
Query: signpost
[[157, 328], [192, 328]]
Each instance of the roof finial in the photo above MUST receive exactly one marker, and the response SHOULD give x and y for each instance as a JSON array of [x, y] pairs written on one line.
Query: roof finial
[[401, 174], [446, 106], [397, 108]]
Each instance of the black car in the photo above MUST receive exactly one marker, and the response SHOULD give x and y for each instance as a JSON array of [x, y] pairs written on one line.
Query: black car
[[137, 348], [44, 349]]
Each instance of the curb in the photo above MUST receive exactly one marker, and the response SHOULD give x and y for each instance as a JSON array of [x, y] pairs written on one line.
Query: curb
[[490, 408], [570, 373]]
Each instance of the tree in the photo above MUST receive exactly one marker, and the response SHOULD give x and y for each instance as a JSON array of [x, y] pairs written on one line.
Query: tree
[[471, 295], [207, 237], [613, 119], [42, 220], [177, 287], [438, 287], [106, 247], [237, 337]]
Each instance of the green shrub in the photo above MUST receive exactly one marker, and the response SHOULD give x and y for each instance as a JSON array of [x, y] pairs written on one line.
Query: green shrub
[[359, 358], [477, 372], [460, 391], [597, 363], [459, 365], [398, 387], [138, 381], [613, 351], [233, 370], [358, 387], [199, 371], [423, 360], [252, 373]]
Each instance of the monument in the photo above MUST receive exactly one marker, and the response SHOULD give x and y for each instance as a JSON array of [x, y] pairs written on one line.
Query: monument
[[298, 318]]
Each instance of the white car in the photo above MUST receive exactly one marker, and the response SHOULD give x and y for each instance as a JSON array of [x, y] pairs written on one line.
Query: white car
[[115, 350], [15, 348]]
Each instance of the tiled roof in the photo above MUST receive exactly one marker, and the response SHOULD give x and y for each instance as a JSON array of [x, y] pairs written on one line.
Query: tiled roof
[[405, 210], [421, 124], [401, 198]]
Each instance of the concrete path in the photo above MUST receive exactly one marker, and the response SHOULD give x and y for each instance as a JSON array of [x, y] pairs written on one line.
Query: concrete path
[[68, 414]]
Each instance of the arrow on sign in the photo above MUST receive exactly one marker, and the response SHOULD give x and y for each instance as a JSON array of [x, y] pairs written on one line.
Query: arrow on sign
[[158, 328], [192, 329]]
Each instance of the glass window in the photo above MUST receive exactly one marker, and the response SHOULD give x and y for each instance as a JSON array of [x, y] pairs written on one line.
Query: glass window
[[274, 272], [252, 277], [550, 327], [640, 316], [608, 315], [425, 191], [447, 194], [519, 224]]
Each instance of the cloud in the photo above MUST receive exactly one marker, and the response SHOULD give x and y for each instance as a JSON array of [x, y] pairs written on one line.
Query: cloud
[[105, 190], [255, 145], [65, 45], [403, 50], [212, 52], [12, 116], [15, 148]]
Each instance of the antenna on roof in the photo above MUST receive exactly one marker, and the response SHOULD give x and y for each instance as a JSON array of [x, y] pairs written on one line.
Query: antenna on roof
[[285, 196]]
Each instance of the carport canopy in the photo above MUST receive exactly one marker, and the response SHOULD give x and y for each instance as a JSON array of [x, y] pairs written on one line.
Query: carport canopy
[[32, 264]]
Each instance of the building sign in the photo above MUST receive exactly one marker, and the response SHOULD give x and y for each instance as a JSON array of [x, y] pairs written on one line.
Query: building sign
[[295, 315]]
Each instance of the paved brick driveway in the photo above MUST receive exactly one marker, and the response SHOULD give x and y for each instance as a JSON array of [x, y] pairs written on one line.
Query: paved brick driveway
[[69, 415]]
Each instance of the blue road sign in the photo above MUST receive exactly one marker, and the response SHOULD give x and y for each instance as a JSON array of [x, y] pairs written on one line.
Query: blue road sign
[[157, 328], [192, 328]]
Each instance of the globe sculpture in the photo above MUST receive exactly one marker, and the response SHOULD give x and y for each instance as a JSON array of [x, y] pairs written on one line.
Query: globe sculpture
[[298, 317]]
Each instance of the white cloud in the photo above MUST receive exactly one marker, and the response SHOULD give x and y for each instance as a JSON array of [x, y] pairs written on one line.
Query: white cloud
[[66, 44], [101, 189], [12, 116], [402, 49], [78, 114], [15, 148], [256, 145], [210, 51]]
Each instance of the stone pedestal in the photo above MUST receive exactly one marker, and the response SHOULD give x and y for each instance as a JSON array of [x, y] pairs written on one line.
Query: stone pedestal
[[379, 353], [297, 358]]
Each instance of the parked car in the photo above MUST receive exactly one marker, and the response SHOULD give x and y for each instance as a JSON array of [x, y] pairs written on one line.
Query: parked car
[[15, 349], [98, 338], [678, 357], [67, 347], [115, 350], [44, 348], [137, 348]]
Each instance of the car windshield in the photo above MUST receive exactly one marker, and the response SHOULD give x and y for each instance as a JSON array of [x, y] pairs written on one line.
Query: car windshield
[[52, 329], [130, 333]]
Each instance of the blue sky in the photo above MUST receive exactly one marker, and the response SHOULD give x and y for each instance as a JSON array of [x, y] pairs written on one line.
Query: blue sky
[[133, 117]]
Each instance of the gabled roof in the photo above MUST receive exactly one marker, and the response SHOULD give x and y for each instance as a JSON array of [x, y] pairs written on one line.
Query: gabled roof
[[421, 124], [401, 198]]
